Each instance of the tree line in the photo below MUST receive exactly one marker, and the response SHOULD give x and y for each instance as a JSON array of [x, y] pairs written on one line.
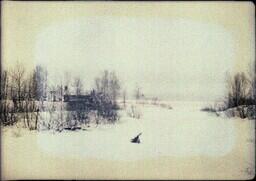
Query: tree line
[[20, 93], [240, 98], [241, 94], [24, 95]]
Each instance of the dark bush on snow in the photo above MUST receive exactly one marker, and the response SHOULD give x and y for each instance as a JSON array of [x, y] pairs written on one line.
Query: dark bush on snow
[[208, 109], [104, 106], [241, 96]]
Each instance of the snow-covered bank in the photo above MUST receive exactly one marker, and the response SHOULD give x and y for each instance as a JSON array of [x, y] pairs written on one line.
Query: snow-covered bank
[[240, 111], [182, 142]]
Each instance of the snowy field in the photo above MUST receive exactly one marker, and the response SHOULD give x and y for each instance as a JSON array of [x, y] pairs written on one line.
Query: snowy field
[[177, 132], [182, 142]]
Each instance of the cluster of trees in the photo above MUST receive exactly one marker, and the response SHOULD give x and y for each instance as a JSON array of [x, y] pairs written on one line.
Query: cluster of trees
[[20, 93], [242, 94], [26, 94], [98, 105], [97, 102], [107, 90], [109, 85], [241, 90]]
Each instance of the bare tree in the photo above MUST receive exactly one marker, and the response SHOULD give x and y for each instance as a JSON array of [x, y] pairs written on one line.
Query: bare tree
[[109, 85], [40, 82], [124, 97], [53, 92], [78, 85], [18, 76], [4, 85], [6, 110], [105, 83], [238, 90], [105, 96], [18, 94], [252, 83], [67, 82], [97, 84], [241, 92], [137, 93], [31, 109], [114, 86]]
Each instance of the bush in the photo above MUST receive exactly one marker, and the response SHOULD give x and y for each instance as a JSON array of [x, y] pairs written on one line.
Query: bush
[[8, 115], [164, 105], [241, 96], [134, 112], [251, 112], [105, 107], [208, 109]]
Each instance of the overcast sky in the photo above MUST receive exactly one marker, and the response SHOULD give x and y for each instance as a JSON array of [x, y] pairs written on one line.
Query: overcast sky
[[176, 51], [168, 58]]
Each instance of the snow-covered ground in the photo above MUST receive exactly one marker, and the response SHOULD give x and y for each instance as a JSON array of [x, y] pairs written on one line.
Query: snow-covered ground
[[178, 132], [184, 136]]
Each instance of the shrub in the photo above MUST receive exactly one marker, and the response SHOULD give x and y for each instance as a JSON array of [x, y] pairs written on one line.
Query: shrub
[[164, 105], [134, 112], [105, 107], [209, 109], [241, 95]]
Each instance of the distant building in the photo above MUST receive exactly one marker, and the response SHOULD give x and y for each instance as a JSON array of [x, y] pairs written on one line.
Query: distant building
[[76, 102], [78, 98]]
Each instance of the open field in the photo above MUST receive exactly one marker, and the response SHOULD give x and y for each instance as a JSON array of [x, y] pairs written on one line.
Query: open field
[[178, 143]]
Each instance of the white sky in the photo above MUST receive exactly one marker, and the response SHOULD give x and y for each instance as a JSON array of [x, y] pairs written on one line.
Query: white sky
[[169, 58], [173, 50]]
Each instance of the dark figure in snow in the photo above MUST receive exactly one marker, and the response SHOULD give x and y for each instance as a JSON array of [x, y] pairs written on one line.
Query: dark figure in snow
[[136, 139]]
